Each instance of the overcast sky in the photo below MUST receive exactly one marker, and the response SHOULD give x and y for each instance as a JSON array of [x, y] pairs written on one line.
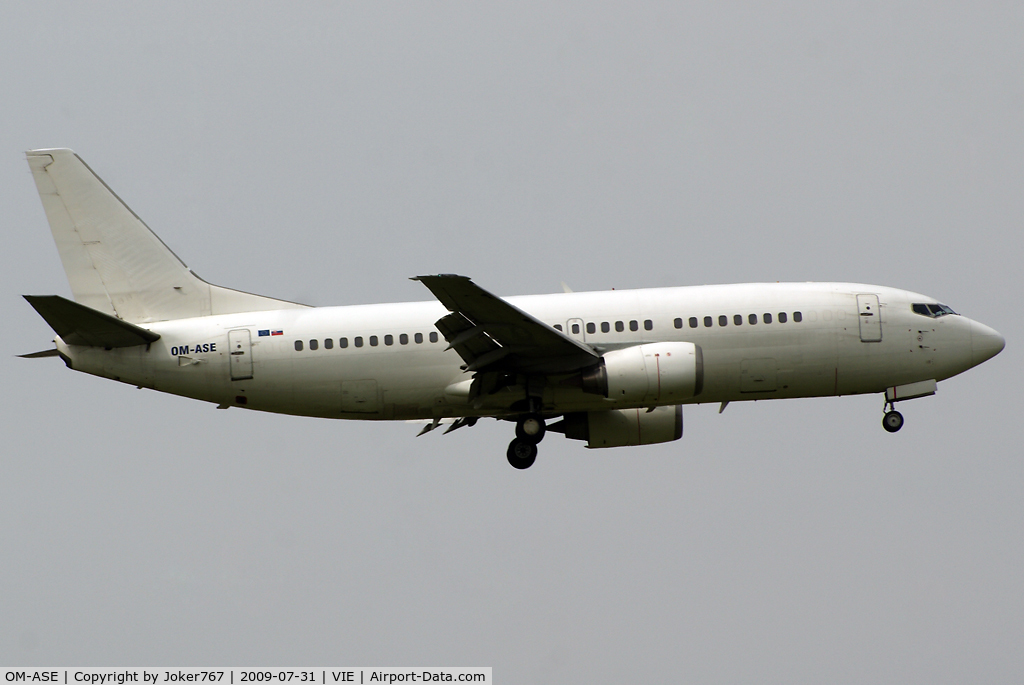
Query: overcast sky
[[326, 154]]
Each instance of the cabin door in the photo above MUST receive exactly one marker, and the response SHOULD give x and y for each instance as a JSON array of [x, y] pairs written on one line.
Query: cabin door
[[240, 346], [870, 318]]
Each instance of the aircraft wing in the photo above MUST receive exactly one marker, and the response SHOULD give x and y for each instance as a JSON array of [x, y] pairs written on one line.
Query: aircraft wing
[[492, 335]]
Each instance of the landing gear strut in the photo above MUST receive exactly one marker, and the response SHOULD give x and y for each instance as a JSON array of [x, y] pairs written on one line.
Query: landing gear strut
[[522, 451], [893, 420]]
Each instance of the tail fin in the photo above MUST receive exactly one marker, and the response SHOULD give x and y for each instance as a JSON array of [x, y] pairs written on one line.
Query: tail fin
[[114, 262]]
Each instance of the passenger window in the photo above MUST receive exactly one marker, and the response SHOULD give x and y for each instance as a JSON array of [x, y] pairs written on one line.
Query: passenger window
[[723, 320], [707, 322], [752, 319], [678, 323], [298, 346], [634, 326], [798, 317], [557, 326], [737, 319], [619, 326], [648, 325], [373, 341], [418, 338], [693, 322], [343, 342], [313, 344], [389, 339], [591, 328], [605, 327], [575, 329], [433, 336], [767, 317], [403, 339], [359, 341], [329, 344], [782, 317]]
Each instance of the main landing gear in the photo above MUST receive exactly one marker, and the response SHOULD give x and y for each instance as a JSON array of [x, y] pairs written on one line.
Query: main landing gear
[[522, 451], [893, 420]]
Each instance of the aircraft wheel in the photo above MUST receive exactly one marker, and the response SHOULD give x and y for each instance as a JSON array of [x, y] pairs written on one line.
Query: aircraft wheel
[[531, 427], [892, 421], [522, 453]]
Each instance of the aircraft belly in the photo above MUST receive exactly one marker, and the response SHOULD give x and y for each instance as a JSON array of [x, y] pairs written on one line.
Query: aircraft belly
[[369, 386], [866, 370], [869, 367], [770, 372], [190, 376], [124, 364]]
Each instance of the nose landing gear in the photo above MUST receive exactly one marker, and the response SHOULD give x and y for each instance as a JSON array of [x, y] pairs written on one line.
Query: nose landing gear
[[522, 451]]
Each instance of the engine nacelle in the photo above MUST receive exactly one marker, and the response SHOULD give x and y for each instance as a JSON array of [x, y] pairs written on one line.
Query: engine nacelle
[[625, 427], [658, 373]]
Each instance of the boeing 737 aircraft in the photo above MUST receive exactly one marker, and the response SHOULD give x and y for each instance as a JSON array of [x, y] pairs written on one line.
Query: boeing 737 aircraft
[[611, 368]]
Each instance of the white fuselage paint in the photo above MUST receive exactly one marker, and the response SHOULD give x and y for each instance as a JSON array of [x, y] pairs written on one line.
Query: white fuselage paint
[[821, 355]]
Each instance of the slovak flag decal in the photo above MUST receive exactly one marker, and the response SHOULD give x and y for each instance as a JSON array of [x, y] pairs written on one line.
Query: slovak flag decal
[[277, 332]]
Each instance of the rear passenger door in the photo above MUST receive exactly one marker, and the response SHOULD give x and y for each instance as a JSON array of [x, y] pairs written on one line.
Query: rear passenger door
[[240, 353]]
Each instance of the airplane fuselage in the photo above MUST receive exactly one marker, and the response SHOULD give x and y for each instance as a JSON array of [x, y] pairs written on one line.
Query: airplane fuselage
[[386, 361]]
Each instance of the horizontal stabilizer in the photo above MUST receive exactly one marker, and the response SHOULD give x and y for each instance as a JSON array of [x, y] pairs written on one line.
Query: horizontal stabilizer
[[77, 324], [39, 355]]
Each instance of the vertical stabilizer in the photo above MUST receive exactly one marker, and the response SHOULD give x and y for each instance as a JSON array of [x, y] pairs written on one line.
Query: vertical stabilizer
[[114, 262]]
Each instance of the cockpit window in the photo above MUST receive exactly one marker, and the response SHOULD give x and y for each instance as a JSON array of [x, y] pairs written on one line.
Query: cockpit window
[[931, 310]]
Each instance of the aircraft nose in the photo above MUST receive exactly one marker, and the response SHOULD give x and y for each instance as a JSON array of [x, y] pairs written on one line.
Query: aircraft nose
[[985, 343]]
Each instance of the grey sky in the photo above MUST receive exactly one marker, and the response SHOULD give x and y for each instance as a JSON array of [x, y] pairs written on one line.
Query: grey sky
[[326, 154]]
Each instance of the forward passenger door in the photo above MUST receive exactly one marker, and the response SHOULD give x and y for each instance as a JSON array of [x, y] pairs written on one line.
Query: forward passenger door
[[870, 318]]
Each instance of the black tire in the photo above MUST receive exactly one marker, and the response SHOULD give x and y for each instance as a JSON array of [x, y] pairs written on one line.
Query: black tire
[[537, 423], [892, 421], [522, 453]]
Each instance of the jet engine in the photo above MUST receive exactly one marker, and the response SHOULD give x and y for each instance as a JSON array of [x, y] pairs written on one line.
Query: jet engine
[[658, 373], [623, 427]]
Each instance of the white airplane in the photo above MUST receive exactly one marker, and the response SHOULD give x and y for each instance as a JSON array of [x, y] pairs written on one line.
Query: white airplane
[[611, 368]]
